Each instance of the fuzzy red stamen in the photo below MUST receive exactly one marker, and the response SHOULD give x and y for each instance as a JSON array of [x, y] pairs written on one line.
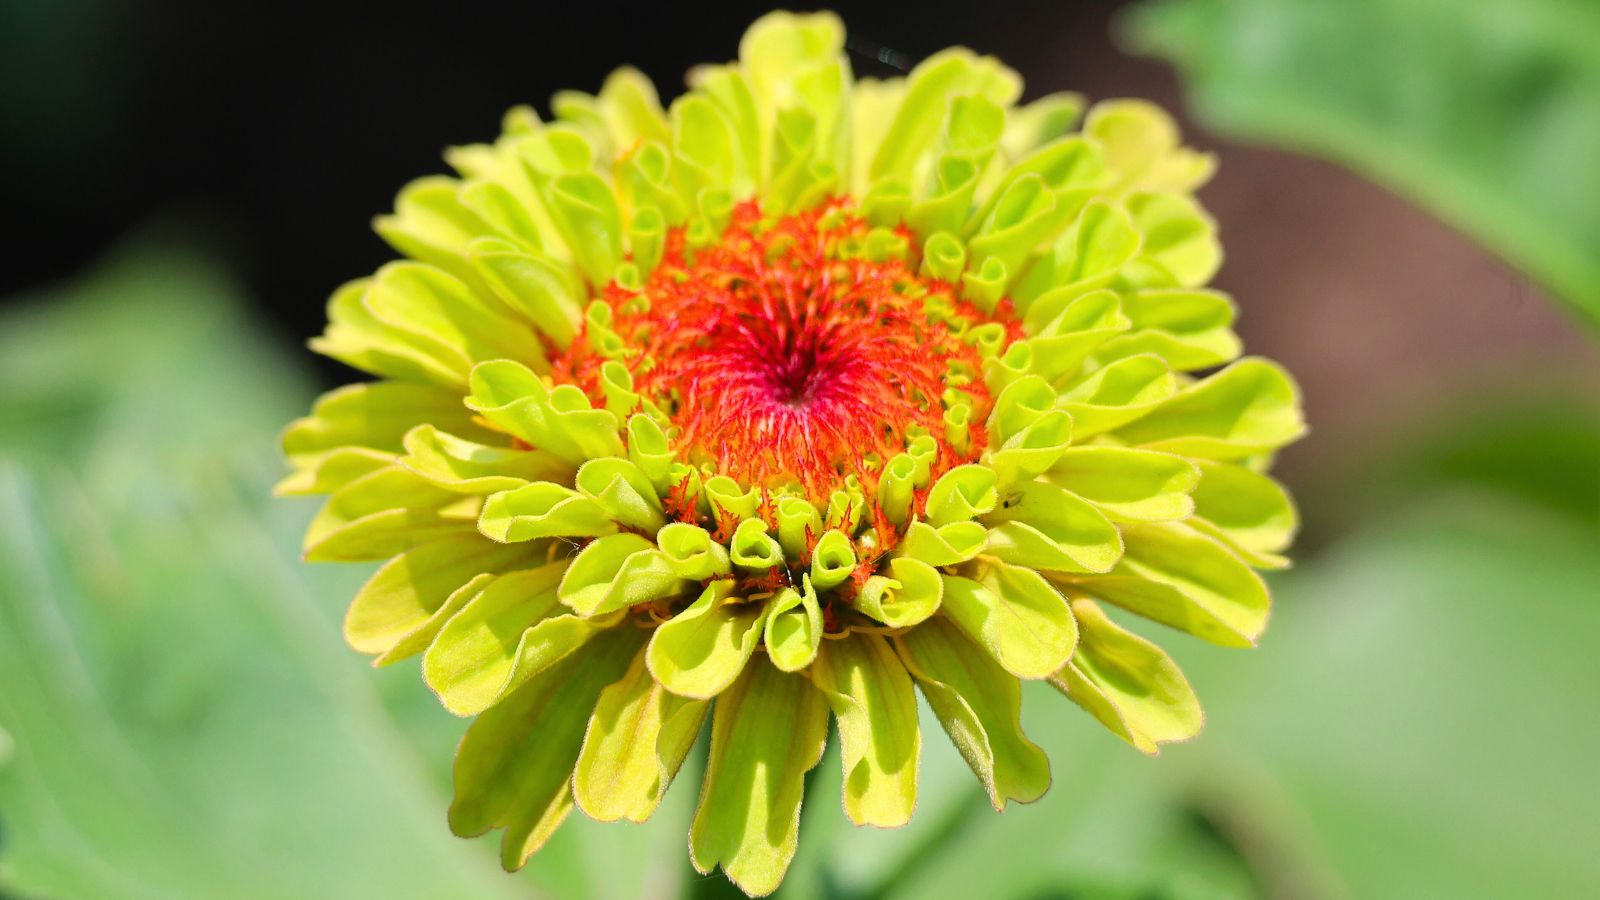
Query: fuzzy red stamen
[[783, 354]]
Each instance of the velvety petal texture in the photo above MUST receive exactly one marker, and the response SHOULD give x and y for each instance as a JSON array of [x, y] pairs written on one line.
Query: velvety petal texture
[[783, 404]]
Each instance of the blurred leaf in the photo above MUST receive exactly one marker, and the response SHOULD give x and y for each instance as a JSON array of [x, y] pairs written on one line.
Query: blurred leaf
[[1487, 113], [1539, 446], [183, 720], [1420, 719]]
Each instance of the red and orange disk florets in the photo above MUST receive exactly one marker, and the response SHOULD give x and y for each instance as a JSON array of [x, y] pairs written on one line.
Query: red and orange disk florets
[[786, 353]]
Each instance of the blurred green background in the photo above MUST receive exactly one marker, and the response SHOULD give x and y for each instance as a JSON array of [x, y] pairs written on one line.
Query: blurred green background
[[1410, 195]]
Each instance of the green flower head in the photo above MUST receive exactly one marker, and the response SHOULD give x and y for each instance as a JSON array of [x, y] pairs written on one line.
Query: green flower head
[[788, 401]]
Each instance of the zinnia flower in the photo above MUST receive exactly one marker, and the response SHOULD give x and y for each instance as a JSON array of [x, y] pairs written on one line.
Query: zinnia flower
[[788, 401]]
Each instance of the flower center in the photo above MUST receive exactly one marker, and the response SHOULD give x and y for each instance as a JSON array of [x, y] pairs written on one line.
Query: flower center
[[801, 349]]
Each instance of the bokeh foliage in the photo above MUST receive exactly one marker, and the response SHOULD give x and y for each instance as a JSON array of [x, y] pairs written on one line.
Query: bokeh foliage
[[1486, 113]]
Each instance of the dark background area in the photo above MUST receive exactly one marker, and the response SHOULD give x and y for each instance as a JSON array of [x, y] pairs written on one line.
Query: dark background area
[[289, 128], [278, 131]]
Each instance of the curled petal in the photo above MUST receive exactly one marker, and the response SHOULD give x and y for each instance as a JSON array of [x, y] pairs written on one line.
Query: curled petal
[[870, 693], [980, 706], [748, 820], [636, 741], [705, 647], [514, 767], [1128, 683], [619, 571], [1016, 615], [1178, 576]]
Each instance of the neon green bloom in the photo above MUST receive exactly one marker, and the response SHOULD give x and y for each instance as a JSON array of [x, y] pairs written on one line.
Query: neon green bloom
[[790, 400]]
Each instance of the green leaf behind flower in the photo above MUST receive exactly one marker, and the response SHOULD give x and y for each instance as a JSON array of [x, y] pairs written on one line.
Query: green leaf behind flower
[[1487, 113]]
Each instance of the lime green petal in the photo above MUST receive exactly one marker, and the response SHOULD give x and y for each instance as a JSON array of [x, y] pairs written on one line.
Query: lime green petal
[[431, 224], [1129, 684], [636, 741], [1121, 392], [1190, 329], [1250, 407], [628, 109], [1019, 405], [623, 491], [1256, 559], [951, 201], [732, 500], [907, 595], [833, 559], [382, 513], [355, 337], [947, 545], [1025, 214], [649, 449], [925, 105], [327, 472], [1141, 146], [873, 105], [1250, 511], [469, 467], [1177, 576], [792, 634], [972, 128], [768, 731], [1033, 450], [616, 572], [440, 312], [1040, 122], [1180, 246], [780, 45], [1045, 527], [1184, 353], [559, 422], [752, 551], [1129, 485], [376, 416], [961, 494], [513, 200], [404, 595], [980, 706], [703, 649], [509, 222], [896, 485], [545, 291], [943, 257], [796, 168], [705, 142], [1071, 327], [692, 554], [1072, 169], [1088, 255], [581, 113], [543, 509], [1016, 615], [514, 766], [845, 507], [581, 205], [419, 638], [880, 742], [512, 630], [799, 524], [647, 180]]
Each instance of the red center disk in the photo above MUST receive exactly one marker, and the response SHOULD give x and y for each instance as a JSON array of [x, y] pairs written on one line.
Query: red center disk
[[782, 356]]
